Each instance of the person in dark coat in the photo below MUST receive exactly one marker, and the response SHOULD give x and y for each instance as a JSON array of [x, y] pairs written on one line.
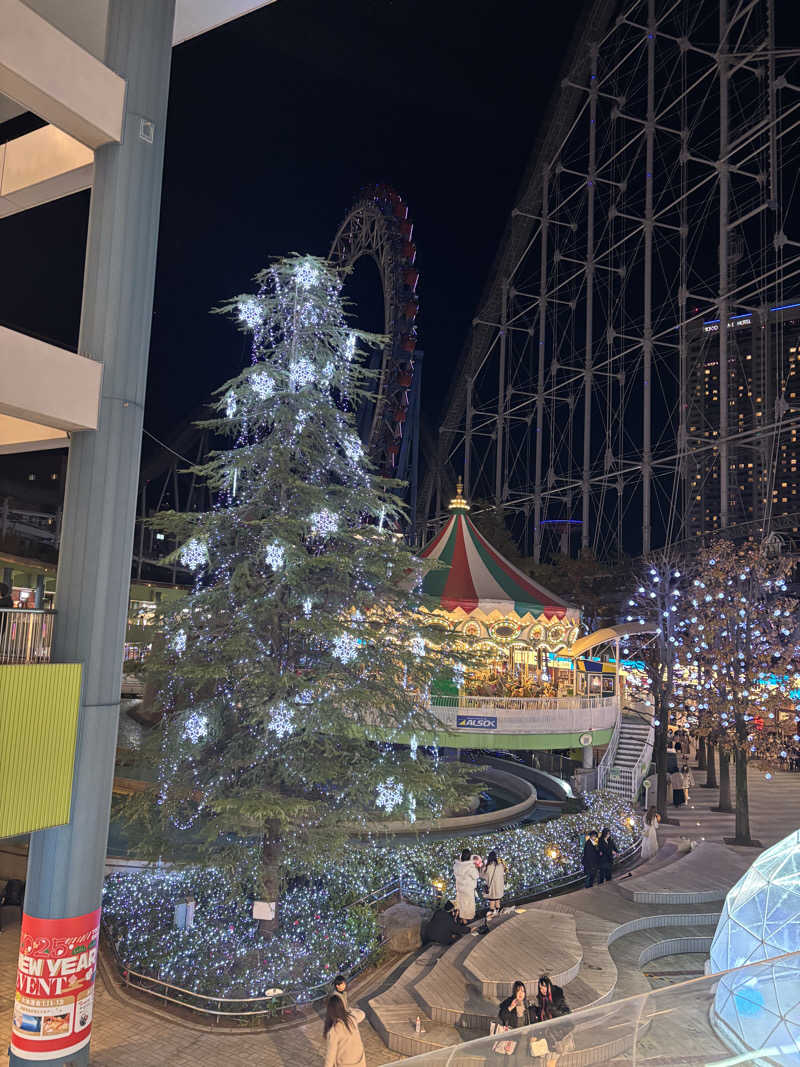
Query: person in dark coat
[[443, 926], [607, 849], [550, 1002], [591, 858], [515, 1010]]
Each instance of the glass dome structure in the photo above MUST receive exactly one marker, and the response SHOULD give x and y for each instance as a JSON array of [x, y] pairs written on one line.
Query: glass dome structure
[[761, 920]]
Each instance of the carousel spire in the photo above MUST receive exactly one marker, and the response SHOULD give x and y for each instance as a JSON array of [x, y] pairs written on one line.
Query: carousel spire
[[458, 503]]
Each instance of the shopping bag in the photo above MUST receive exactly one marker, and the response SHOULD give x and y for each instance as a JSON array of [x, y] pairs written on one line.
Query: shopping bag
[[506, 1047], [537, 1046]]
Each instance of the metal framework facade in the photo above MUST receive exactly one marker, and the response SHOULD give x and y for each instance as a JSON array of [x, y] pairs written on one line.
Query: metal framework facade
[[659, 202]]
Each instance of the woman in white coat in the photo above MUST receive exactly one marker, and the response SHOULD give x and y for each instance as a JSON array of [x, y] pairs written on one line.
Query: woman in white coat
[[466, 876], [649, 834]]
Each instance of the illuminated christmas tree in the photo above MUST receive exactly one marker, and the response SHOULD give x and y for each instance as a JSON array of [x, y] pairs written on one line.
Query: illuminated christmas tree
[[293, 681]]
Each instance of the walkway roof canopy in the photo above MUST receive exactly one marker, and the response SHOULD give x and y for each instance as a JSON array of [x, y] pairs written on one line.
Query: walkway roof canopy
[[609, 633]]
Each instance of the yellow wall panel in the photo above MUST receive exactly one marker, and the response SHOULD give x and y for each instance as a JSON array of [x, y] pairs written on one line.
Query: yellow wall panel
[[38, 725]]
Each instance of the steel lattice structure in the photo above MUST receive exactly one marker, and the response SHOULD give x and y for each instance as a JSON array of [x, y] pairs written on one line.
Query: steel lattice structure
[[661, 198]]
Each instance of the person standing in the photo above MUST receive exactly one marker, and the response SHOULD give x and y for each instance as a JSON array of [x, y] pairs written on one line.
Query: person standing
[[591, 858], [343, 1045], [676, 779], [688, 781], [465, 873], [607, 848], [494, 874], [649, 833]]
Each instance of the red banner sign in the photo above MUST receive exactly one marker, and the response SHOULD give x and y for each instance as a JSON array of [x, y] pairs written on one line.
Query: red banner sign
[[55, 986]]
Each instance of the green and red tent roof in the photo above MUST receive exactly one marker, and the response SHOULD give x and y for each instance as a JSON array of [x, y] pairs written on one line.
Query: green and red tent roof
[[478, 578]]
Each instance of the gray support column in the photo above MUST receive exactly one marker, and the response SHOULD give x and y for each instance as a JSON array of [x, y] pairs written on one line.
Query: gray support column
[[65, 867], [38, 596], [8, 577]]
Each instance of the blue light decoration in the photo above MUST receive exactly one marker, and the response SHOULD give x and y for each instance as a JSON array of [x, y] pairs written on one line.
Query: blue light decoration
[[758, 1010]]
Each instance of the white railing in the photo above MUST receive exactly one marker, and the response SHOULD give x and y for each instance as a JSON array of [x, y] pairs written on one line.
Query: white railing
[[26, 635], [610, 754], [526, 715]]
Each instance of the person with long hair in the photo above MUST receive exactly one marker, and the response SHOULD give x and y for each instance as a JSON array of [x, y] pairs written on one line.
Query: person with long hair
[[607, 848], [649, 835], [515, 1010], [343, 1046], [550, 1002], [494, 874]]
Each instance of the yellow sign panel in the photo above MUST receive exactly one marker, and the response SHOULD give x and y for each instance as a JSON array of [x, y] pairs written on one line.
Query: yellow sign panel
[[38, 726]]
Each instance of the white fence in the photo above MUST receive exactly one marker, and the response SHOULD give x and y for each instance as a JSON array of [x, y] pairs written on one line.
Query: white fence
[[526, 715], [25, 635]]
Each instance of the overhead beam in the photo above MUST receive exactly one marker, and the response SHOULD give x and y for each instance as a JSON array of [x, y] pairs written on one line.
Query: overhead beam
[[47, 385], [47, 73], [42, 166]]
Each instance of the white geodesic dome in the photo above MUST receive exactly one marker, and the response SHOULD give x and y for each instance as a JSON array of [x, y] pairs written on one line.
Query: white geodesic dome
[[758, 1009]]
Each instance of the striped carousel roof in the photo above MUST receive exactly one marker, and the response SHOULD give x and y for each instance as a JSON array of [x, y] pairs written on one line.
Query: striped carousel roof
[[478, 578]]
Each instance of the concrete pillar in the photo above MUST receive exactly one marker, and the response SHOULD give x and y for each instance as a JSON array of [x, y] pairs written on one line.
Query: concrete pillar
[[8, 576], [38, 596], [65, 866], [588, 757]]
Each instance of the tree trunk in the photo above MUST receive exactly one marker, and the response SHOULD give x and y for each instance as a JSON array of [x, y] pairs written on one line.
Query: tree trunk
[[711, 766], [742, 799], [724, 780], [701, 754], [271, 857], [660, 754]]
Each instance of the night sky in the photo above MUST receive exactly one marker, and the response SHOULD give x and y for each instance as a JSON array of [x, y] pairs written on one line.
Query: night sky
[[275, 122]]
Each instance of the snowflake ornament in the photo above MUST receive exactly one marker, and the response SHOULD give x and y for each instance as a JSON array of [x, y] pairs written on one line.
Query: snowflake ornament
[[230, 405], [324, 523], [345, 647], [194, 554], [389, 795], [179, 642], [306, 274], [275, 555], [251, 312], [302, 372], [281, 721], [262, 385], [195, 727]]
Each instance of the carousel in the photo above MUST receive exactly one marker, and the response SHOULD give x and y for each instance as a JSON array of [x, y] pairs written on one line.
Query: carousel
[[519, 627]]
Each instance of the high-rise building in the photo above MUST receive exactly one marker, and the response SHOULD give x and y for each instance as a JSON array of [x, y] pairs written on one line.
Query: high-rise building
[[763, 401]]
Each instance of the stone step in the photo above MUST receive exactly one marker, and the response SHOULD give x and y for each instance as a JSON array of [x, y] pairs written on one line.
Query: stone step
[[394, 1012], [523, 948], [447, 995]]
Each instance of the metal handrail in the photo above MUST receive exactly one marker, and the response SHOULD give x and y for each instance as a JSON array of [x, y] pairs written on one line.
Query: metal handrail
[[26, 635]]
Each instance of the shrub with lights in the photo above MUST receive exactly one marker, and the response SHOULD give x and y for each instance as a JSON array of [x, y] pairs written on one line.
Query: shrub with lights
[[320, 931]]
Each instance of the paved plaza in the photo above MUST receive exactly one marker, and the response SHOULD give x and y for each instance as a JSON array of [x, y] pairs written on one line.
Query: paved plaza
[[128, 1034]]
